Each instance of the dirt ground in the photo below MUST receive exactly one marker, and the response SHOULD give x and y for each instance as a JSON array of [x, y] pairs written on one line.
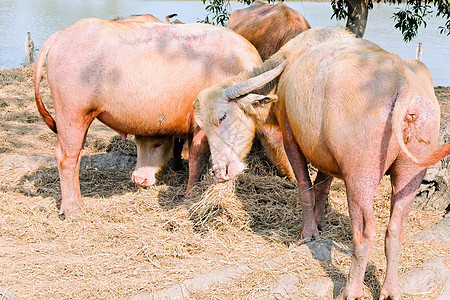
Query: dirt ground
[[133, 240]]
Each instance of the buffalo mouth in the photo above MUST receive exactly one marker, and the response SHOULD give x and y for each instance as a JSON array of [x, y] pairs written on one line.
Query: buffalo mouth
[[143, 180], [221, 174], [228, 172]]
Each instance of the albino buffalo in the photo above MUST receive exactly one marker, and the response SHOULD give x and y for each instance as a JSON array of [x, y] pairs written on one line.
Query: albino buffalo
[[153, 152], [138, 78], [354, 111], [267, 26]]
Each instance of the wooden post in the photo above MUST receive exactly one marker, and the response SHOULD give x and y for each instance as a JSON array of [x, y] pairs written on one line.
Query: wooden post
[[29, 50], [419, 52]]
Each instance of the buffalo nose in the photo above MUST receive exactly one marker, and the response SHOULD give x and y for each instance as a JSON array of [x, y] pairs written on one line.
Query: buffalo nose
[[221, 175], [141, 180]]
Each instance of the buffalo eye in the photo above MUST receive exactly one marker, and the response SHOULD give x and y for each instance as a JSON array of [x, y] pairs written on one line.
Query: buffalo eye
[[157, 145], [222, 118]]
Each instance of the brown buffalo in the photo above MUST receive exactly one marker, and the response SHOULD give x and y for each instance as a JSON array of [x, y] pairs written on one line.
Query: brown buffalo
[[267, 26], [138, 78], [354, 111]]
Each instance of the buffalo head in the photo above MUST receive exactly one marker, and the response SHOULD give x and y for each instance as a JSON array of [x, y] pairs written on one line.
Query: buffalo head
[[229, 113]]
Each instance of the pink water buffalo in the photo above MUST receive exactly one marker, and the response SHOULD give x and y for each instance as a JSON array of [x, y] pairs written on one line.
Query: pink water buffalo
[[268, 27], [153, 152], [354, 111], [138, 78]]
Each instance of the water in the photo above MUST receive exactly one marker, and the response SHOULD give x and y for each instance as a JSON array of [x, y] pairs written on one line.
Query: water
[[43, 17]]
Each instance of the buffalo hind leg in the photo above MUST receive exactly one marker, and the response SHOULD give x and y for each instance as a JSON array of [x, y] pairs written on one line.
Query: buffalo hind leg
[[198, 157], [71, 139], [405, 180], [360, 193], [299, 165], [322, 185]]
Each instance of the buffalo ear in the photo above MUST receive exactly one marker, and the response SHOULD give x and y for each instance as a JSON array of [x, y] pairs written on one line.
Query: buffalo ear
[[256, 105]]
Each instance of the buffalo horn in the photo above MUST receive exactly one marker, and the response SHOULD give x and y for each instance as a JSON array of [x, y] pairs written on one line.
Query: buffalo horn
[[251, 84]]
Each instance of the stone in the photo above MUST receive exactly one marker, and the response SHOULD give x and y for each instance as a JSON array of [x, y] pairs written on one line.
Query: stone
[[423, 279], [200, 282], [286, 285], [440, 232], [21, 164], [321, 249], [111, 161], [322, 289], [7, 295]]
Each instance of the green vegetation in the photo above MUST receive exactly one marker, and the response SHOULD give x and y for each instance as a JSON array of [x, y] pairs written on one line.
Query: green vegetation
[[408, 19]]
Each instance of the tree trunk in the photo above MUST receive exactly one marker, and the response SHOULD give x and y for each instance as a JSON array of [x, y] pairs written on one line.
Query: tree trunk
[[357, 16]]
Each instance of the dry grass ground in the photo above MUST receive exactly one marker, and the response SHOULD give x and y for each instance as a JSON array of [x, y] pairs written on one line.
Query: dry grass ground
[[132, 240]]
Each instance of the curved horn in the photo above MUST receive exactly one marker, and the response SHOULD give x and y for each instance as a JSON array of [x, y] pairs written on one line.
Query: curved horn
[[251, 84]]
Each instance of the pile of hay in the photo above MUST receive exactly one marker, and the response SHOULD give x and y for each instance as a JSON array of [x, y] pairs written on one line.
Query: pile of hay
[[132, 240]]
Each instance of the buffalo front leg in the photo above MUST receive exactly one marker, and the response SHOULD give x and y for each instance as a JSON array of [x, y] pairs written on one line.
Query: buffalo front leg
[[299, 165], [360, 193], [404, 183], [198, 157]]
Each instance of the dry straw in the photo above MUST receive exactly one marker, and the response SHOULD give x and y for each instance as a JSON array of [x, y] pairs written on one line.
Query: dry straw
[[133, 240]]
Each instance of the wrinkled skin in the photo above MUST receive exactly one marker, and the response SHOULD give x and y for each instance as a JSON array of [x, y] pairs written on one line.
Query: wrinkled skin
[[354, 111], [138, 78]]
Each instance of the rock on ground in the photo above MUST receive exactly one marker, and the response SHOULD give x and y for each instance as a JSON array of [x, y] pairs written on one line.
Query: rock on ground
[[111, 161], [430, 275], [7, 295], [285, 286], [322, 289], [440, 232]]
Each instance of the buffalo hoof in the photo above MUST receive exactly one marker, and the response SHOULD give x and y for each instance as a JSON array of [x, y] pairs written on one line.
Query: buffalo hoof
[[391, 296], [321, 226], [353, 292], [348, 297], [72, 213], [309, 233]]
